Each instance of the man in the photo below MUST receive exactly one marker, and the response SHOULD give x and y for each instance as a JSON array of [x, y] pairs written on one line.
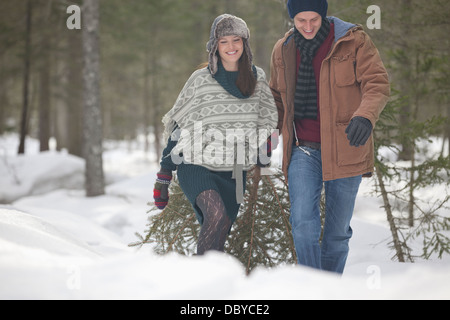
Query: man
[[330, 87]]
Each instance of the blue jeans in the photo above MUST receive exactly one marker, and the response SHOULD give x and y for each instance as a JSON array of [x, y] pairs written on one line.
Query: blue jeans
[[305, 187]]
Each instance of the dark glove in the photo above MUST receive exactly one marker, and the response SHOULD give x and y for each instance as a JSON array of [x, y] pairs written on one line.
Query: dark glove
[[161, 189], [272, 144], [358, 131]]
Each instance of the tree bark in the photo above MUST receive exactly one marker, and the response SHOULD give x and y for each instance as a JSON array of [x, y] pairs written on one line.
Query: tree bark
[[44, 99], [74, 89], [92, 128], [26, 80]]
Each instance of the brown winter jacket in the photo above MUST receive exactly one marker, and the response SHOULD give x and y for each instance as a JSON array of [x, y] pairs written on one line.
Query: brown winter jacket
[[353, 82]]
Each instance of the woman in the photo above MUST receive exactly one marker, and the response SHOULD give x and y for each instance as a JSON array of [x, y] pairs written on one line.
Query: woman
[[229, 97]]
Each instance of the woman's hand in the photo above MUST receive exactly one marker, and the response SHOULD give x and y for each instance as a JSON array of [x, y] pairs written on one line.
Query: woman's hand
[[161, 189]]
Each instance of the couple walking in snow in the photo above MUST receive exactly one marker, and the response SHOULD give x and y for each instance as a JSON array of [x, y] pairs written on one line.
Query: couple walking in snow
[[326, 91]]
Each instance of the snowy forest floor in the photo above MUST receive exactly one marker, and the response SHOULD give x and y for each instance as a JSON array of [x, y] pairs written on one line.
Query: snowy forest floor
[[57, 244]]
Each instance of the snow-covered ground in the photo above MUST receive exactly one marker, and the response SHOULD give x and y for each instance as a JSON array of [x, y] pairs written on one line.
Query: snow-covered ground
[[57, 244]]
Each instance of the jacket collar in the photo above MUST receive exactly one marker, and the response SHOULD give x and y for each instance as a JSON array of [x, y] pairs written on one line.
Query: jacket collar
[[341, 27]]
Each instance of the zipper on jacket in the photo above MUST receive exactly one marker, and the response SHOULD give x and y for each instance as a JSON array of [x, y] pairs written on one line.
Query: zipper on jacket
[[297, 142], [283, 47], [327, 60]]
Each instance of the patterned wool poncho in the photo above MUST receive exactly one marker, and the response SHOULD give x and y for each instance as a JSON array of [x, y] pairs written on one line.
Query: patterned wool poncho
[[217, 130]]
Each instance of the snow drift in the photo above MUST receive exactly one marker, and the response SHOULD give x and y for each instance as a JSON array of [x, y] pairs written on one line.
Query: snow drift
[[57, 244]]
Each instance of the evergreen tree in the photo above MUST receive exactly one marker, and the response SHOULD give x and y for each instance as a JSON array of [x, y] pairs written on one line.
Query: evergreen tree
[[400, 183], [261, 235]]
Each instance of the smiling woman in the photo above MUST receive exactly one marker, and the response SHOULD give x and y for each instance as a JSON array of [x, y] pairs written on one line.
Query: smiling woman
[[230, 51], [230, 93], [229, 34]]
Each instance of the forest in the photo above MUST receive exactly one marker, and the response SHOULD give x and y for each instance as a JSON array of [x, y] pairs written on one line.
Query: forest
[[110, 71], [149, 48]]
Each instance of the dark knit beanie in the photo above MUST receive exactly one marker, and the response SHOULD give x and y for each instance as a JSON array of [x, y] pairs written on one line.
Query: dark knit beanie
[[297, 6], [226, 25]]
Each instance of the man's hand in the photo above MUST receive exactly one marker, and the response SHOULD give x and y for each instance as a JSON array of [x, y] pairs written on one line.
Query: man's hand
[[359, 131]]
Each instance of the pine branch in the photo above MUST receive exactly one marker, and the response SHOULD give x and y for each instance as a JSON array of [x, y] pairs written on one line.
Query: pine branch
[[260, 236], [253, 199], [285, 218]]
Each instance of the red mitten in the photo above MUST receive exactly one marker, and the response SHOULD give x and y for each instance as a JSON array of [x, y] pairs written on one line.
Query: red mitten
[[161, 189]]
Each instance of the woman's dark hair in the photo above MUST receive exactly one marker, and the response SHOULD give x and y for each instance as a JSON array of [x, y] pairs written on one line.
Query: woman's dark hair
[[246, 81]]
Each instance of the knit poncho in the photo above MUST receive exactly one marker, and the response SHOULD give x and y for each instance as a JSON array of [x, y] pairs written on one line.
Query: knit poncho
[[216, 129]]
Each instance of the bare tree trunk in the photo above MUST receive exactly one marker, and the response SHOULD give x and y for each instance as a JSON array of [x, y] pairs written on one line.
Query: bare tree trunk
[[44, 99], [92, 130], [447, 133], [45, 75], [146, 104], [406, 65], [412, 182], [390, 217], [26, 80], [3, 100], [156, 117], [74, 91]]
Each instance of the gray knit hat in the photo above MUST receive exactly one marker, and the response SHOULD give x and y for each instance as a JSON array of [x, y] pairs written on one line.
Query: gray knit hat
[[227, 25]]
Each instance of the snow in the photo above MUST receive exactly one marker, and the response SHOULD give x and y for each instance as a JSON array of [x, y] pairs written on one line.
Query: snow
[[57, 244]]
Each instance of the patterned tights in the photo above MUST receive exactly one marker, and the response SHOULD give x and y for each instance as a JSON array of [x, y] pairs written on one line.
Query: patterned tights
[[216, 222]]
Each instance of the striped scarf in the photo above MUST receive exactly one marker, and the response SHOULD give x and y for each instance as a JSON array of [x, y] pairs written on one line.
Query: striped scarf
[[305, 99]]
